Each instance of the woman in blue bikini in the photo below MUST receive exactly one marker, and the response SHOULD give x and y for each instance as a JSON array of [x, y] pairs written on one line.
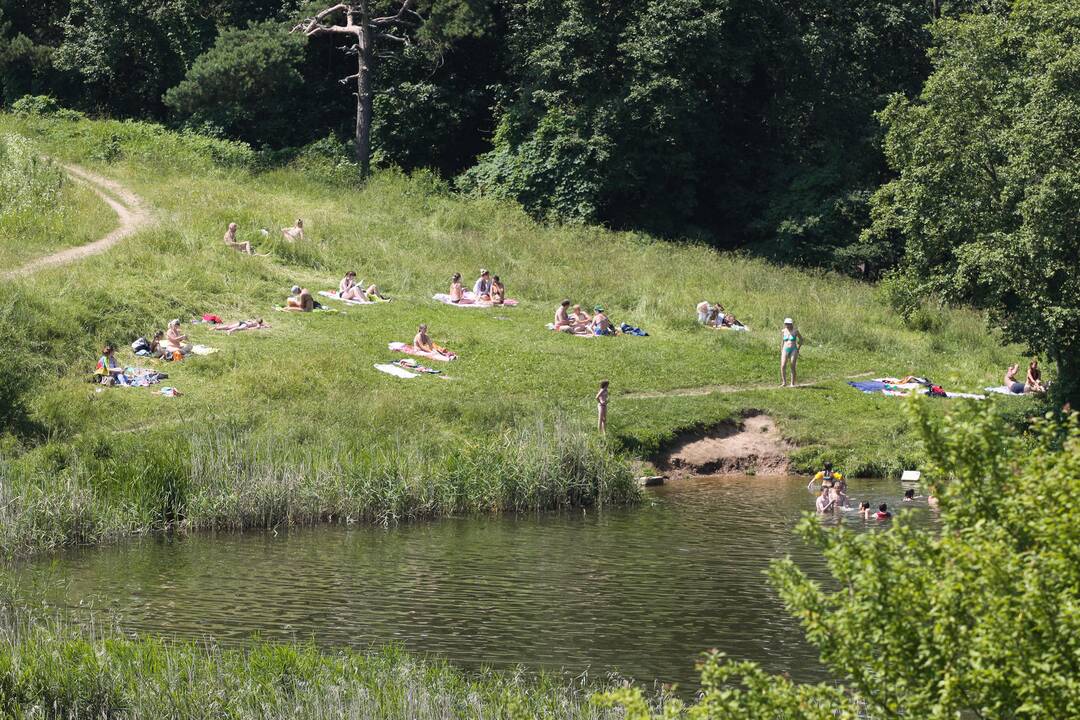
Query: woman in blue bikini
[[791, 341]]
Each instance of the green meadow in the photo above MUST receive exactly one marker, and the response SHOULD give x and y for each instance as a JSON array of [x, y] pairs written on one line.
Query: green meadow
[[293, 424]]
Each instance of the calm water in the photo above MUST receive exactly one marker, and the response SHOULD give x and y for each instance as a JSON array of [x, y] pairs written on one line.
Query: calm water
[[640, 591]]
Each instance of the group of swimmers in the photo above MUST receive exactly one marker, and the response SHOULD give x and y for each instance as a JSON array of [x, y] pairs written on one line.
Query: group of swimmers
[[833, 496], [487, 288], [1032, 384], [576, 321]]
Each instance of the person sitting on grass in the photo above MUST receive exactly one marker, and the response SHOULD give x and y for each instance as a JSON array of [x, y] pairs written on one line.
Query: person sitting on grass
[[498, 291], [580, 318], [600, 324], [1011, 383], [1033, 382], [716, 314], [703, 312], [254, 324], [294, 233], [300, 300], [157, 344], [423, 342], [175, 341], [231, 241], [108, 370], [349, 289], [562, 318], [482, 286], [457, 292]]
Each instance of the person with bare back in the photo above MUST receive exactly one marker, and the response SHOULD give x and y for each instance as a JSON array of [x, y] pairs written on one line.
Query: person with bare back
[[294, 233]]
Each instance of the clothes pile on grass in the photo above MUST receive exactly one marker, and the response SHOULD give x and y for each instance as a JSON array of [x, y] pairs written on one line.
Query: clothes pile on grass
[[907, 386]]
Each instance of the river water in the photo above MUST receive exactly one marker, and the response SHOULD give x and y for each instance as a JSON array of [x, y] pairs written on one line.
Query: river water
[[639, 591]]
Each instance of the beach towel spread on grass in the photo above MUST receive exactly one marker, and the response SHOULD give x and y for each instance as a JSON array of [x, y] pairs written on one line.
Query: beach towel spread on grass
[[320, 309], [410, 364], [1002, 390], [141, 377], [203, 350], [394, 370], [410, 350], [738, 328], [894, 388], [334, 296], [551, 326], [468, 300]]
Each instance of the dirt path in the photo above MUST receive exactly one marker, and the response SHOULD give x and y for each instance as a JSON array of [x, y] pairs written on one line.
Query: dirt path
[[753, 444], [723, 389], [129, 209]]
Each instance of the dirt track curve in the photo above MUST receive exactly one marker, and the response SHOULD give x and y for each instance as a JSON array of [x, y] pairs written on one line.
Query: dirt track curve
[[129, 209]]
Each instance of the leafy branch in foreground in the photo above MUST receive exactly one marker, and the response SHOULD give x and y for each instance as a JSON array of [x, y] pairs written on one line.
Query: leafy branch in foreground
[[980, 618]]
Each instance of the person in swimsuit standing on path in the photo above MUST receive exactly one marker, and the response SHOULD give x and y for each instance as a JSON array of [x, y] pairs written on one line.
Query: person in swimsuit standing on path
[[790, 345]]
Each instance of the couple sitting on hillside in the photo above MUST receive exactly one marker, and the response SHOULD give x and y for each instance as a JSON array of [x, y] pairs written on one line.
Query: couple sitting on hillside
[[486, 289], [167, 345], [578, 322], [714, 316], [1032, 384]]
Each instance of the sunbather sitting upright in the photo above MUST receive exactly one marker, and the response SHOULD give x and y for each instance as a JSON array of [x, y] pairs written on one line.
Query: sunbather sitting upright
[[457, 292], [175, 341], [349, 289], [482, 286], [254, 324], [601, 325], [1033, 383], [562, 318], [498, 291], [422, 342], [716, 315], [300, 300], [580, 319], [231, 241], [108, 370], [703, 312], [294, 233]]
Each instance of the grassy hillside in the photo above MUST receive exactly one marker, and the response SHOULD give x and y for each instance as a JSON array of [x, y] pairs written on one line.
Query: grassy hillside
[[293, 424], [41, 210]]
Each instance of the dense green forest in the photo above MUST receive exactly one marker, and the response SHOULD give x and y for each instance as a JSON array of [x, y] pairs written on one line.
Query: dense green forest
[[931, 141]]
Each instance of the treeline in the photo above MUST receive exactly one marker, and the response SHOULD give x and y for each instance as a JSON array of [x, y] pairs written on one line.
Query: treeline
[[742, 123]]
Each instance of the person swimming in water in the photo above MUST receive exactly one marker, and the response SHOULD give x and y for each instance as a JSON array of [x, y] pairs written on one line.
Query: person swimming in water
[[882, 512], [790, 345]]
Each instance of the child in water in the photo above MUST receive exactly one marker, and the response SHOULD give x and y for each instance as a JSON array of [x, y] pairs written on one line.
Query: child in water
[[601, 406], [883, 512], [864, 509]]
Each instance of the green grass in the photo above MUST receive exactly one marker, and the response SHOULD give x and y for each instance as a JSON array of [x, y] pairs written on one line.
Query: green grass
[[53, 671], [294, 425], [41, 210]]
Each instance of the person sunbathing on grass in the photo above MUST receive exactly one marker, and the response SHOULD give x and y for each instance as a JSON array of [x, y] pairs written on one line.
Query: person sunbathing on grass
[[457, 292], [716, 315], [482, 286], [108, 370], [1011, 383], [230, 240], [175, 341], [498, 291], [423, 342], [1033, 382], [703, 312], [562, 318], [255, 324], [294, 233], [600, 324], [348, 289], [300, 300], [580, 319]]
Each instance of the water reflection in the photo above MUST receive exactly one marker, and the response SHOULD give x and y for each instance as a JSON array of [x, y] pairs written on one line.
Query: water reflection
[[643, 591]]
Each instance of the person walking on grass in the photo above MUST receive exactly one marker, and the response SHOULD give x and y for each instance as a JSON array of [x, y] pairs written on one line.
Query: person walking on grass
[[601, 407], [790, 344]]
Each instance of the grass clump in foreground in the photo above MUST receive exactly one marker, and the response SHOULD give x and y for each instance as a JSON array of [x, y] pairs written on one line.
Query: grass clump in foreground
[[294, 425]]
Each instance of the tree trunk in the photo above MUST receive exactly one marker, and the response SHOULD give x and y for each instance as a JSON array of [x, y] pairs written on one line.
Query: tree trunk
[[1066, 387], [363, 94]]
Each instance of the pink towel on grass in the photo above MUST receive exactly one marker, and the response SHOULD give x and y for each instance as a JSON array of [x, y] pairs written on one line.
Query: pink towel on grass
[[334, 296], [410, 350], [469, 300]]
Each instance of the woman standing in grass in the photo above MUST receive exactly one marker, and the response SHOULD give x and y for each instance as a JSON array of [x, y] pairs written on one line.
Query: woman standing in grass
[[601, 406], [790, 344]]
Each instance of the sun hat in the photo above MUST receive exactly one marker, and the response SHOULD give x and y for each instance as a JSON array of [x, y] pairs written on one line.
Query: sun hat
[[789, 321], [598, 308], [483, 271]]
